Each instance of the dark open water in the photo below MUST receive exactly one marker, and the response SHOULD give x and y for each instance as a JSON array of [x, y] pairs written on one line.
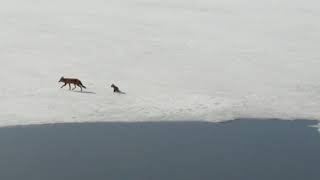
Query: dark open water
[[238, 150]]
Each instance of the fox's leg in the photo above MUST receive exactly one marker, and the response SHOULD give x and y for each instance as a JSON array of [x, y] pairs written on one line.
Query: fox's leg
[[75, 86], [64, 85], [79, 86], [69, 86]]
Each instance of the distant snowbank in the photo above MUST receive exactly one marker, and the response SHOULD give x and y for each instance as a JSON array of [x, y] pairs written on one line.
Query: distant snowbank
[[209, 60]]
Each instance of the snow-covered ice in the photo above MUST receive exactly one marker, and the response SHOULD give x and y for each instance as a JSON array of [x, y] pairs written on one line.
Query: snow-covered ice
[[209, 60]]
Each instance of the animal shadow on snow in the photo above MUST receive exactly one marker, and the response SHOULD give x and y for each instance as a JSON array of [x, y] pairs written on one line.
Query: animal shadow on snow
[[84, 92]]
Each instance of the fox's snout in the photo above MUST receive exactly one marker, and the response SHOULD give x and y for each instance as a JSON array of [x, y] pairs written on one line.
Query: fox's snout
[[61, 79]]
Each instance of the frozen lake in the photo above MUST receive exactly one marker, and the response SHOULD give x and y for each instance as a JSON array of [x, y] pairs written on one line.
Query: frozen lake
[[210, 60]]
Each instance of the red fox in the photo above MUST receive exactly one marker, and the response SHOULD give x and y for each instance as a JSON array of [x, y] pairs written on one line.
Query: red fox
[[70, 81]]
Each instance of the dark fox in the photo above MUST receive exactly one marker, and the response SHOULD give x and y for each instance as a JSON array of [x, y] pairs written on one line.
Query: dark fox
[[116, 89], [70, 81]]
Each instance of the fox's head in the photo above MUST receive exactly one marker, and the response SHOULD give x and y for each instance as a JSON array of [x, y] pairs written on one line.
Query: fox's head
[[61, 79], [112, 85]]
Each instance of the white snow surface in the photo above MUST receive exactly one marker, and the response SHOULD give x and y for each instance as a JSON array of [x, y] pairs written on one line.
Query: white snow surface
[[210, 60]]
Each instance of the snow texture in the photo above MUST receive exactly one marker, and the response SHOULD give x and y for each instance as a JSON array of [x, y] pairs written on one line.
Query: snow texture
[[210, 60]]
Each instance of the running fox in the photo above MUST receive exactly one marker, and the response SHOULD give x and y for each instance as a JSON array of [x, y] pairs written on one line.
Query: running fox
[[70, 81]]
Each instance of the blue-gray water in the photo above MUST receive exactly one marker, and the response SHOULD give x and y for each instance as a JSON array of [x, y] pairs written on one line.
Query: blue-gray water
[[238, 150]]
